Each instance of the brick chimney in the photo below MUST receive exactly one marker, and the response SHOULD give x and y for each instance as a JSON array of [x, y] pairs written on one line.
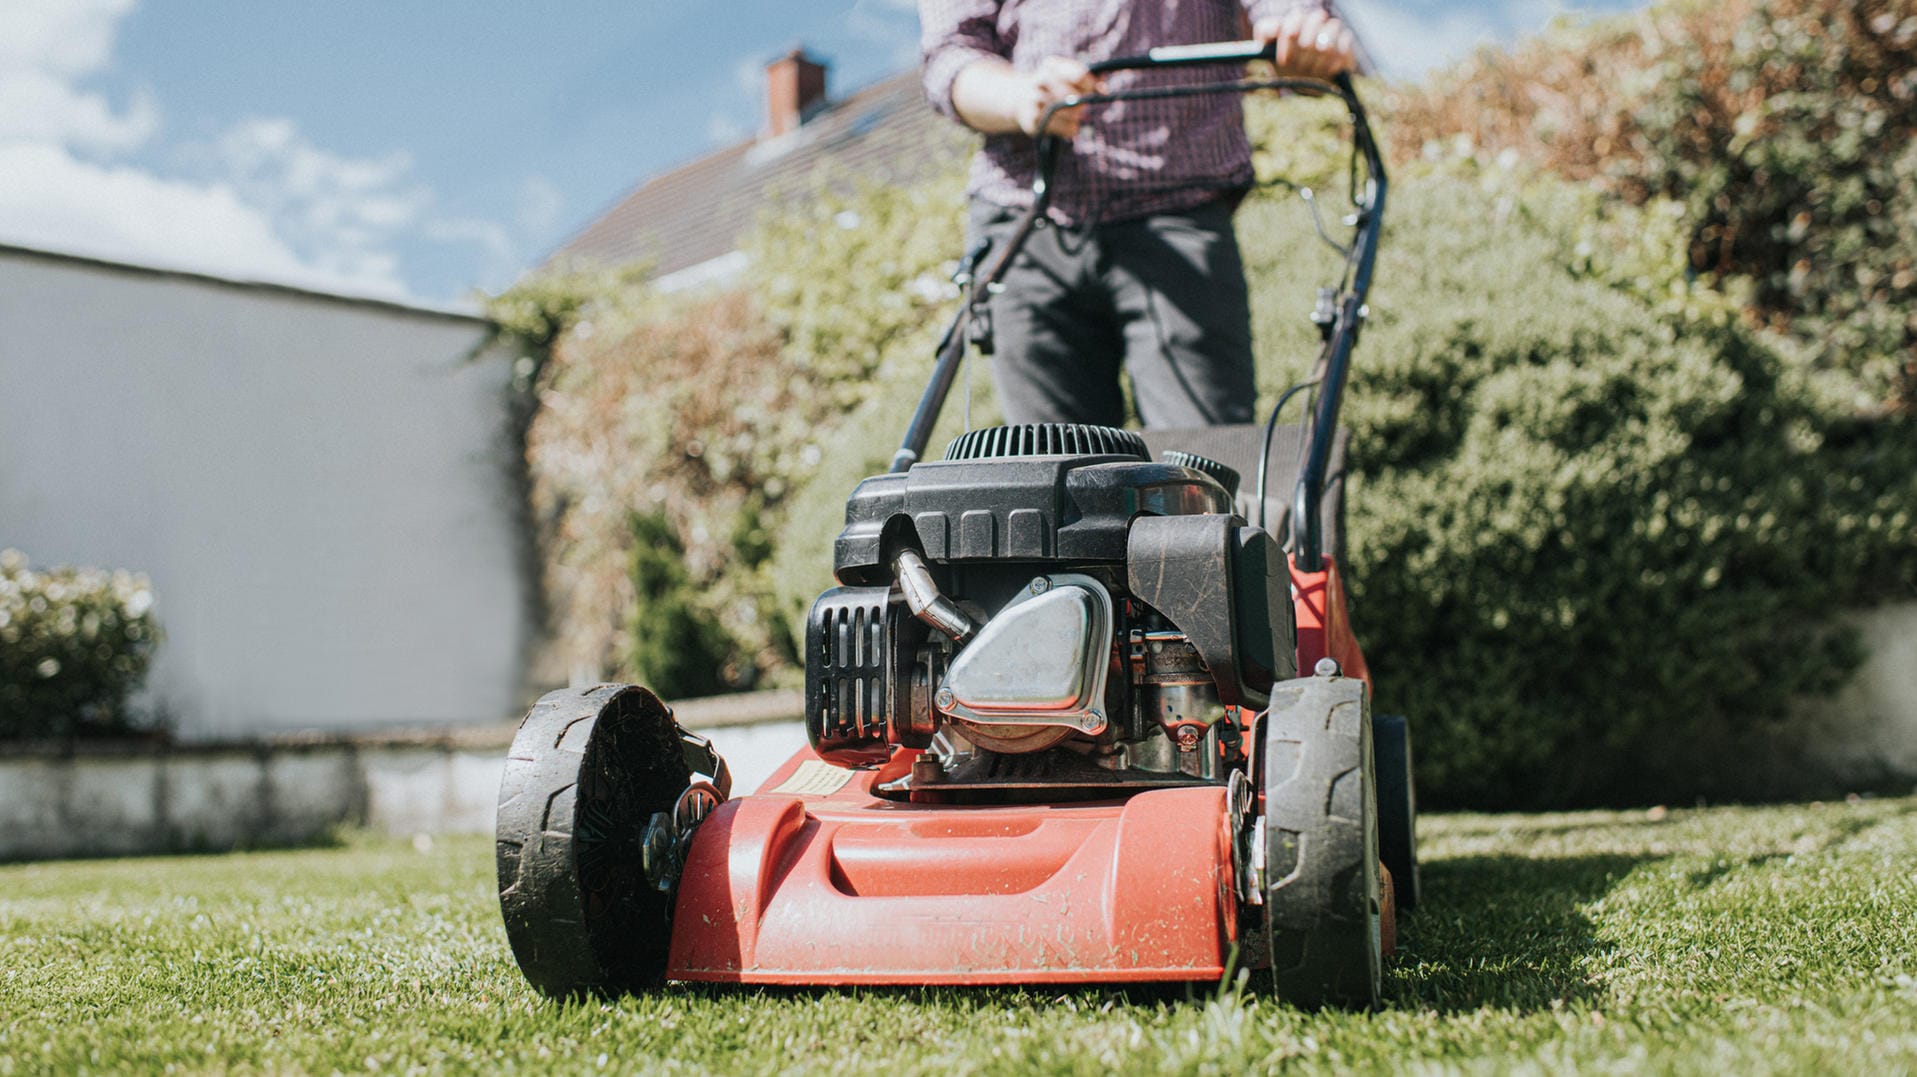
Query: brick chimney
[[794, 88]]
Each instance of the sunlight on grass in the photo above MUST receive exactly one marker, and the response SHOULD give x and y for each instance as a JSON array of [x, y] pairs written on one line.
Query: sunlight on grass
[[1723, 940]]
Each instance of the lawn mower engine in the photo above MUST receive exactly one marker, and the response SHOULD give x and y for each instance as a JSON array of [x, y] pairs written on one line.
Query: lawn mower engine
[[1047, 614]]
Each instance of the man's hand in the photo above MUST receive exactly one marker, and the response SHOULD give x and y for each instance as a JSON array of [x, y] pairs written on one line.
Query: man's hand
[[1310, 43], [1055, 80], [991, 97]]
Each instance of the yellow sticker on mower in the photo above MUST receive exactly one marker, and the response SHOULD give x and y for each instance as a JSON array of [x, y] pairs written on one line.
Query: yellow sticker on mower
[[815, 778]]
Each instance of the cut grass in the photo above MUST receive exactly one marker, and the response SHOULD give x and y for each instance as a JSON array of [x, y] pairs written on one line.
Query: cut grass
[[1730, 940]]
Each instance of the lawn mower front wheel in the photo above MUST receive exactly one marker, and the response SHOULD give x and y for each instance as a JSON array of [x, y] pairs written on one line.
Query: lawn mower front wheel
[[1324, 896], [588, 771]]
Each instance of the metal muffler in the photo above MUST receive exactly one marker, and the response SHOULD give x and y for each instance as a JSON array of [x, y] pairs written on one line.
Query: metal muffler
[[1041, 661]]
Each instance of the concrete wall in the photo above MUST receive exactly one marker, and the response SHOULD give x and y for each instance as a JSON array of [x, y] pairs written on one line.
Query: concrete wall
[[318, 488], [104, 800], [123, 800], [1872, 723]]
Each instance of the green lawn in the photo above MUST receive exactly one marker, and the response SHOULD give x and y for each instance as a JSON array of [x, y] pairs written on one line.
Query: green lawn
[[1717, 941]]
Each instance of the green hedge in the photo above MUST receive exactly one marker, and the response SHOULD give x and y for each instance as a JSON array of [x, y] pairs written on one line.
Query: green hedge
[[1785, 129], [1599, 525], [1599, 540], [74, 646], [670, 647], [1602, 523]]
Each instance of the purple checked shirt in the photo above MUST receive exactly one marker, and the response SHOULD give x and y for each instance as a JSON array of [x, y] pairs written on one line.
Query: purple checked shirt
[[1131, 158]]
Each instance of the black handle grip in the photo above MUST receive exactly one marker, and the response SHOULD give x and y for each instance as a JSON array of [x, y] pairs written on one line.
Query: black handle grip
[[1217, 52]]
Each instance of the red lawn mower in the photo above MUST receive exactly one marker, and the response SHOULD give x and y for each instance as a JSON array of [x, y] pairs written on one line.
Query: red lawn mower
[[1058, 728]]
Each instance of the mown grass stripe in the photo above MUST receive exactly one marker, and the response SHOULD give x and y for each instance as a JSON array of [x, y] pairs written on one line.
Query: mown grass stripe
[[1746, 940]]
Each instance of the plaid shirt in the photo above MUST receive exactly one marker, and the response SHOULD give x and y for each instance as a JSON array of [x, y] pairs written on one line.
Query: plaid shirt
[[1131, 158]]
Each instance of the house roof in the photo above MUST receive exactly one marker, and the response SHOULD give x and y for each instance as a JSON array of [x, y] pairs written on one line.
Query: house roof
[[696, 213]]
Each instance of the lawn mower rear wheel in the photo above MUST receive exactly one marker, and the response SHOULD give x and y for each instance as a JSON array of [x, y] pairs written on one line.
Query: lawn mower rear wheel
[[1397, 806]]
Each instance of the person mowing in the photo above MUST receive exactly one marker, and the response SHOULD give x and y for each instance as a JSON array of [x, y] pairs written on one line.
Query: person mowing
[[1139, 268]]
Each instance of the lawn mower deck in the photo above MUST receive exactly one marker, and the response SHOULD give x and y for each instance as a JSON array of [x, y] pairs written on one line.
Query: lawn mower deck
[[1074, 715], [842, 886]]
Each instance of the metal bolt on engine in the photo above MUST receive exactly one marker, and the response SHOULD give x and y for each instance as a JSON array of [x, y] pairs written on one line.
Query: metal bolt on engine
[[1326, 667]]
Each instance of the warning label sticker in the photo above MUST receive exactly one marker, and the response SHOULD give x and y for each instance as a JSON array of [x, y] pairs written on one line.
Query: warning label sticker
[[815, 778]]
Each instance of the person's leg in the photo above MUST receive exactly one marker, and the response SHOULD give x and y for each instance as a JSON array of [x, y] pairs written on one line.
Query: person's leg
[[1057, 349], [1180, 290]]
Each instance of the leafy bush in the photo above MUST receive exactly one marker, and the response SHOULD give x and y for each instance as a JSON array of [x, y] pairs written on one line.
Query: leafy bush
[[874, 329], [1595, 536], [74, 646], [1787, 130], [671, 409], [670, 646], [1601, 522]]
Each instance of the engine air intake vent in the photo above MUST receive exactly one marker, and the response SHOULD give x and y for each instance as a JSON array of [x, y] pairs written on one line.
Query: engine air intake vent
[[1046, 439], [1227, 477], [848, 679]]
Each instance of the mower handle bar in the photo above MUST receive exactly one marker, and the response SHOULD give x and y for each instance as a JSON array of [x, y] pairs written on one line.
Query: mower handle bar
[[1215, 52], [1306, 525]]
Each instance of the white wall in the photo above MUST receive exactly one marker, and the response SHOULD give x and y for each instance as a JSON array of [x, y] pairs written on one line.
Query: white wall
[[317, 487], [1871, 724]]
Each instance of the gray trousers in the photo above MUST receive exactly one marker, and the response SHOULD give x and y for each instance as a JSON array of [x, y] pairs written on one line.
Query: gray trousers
[[1162, 298]]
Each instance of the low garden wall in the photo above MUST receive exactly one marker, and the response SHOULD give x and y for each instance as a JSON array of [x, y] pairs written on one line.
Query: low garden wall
[[129, 798], [1872, 723]]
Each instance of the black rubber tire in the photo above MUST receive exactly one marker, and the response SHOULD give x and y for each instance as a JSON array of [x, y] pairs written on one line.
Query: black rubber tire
[[587, 770], [1397, 806], [1323, 897]]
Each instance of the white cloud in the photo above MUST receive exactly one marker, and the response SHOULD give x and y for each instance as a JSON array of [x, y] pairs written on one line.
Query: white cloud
[[891, 25], [724, 129], [35, 106], [1408, 37], [262, 202], [344, 215], [54, 200], [1405, 41], [46, 48], [69, 37], [501, 251], [748, 75]]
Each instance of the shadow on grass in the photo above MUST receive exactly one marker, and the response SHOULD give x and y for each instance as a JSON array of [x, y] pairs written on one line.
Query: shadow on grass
[[180, 845], [1504, 931]]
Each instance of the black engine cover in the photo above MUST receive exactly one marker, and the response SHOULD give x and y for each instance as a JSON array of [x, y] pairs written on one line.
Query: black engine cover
[[1040, 508], [1021, 497]]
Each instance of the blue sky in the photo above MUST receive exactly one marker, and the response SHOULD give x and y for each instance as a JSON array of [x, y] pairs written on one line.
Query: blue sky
[[416, 150]]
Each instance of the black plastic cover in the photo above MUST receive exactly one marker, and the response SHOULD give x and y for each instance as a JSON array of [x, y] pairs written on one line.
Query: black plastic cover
[[1267, 622], [1238, 446], [1227, 588], [1075, 509]]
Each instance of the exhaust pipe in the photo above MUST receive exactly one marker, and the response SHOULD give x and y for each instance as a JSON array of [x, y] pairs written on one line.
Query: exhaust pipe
[[922, 597]]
